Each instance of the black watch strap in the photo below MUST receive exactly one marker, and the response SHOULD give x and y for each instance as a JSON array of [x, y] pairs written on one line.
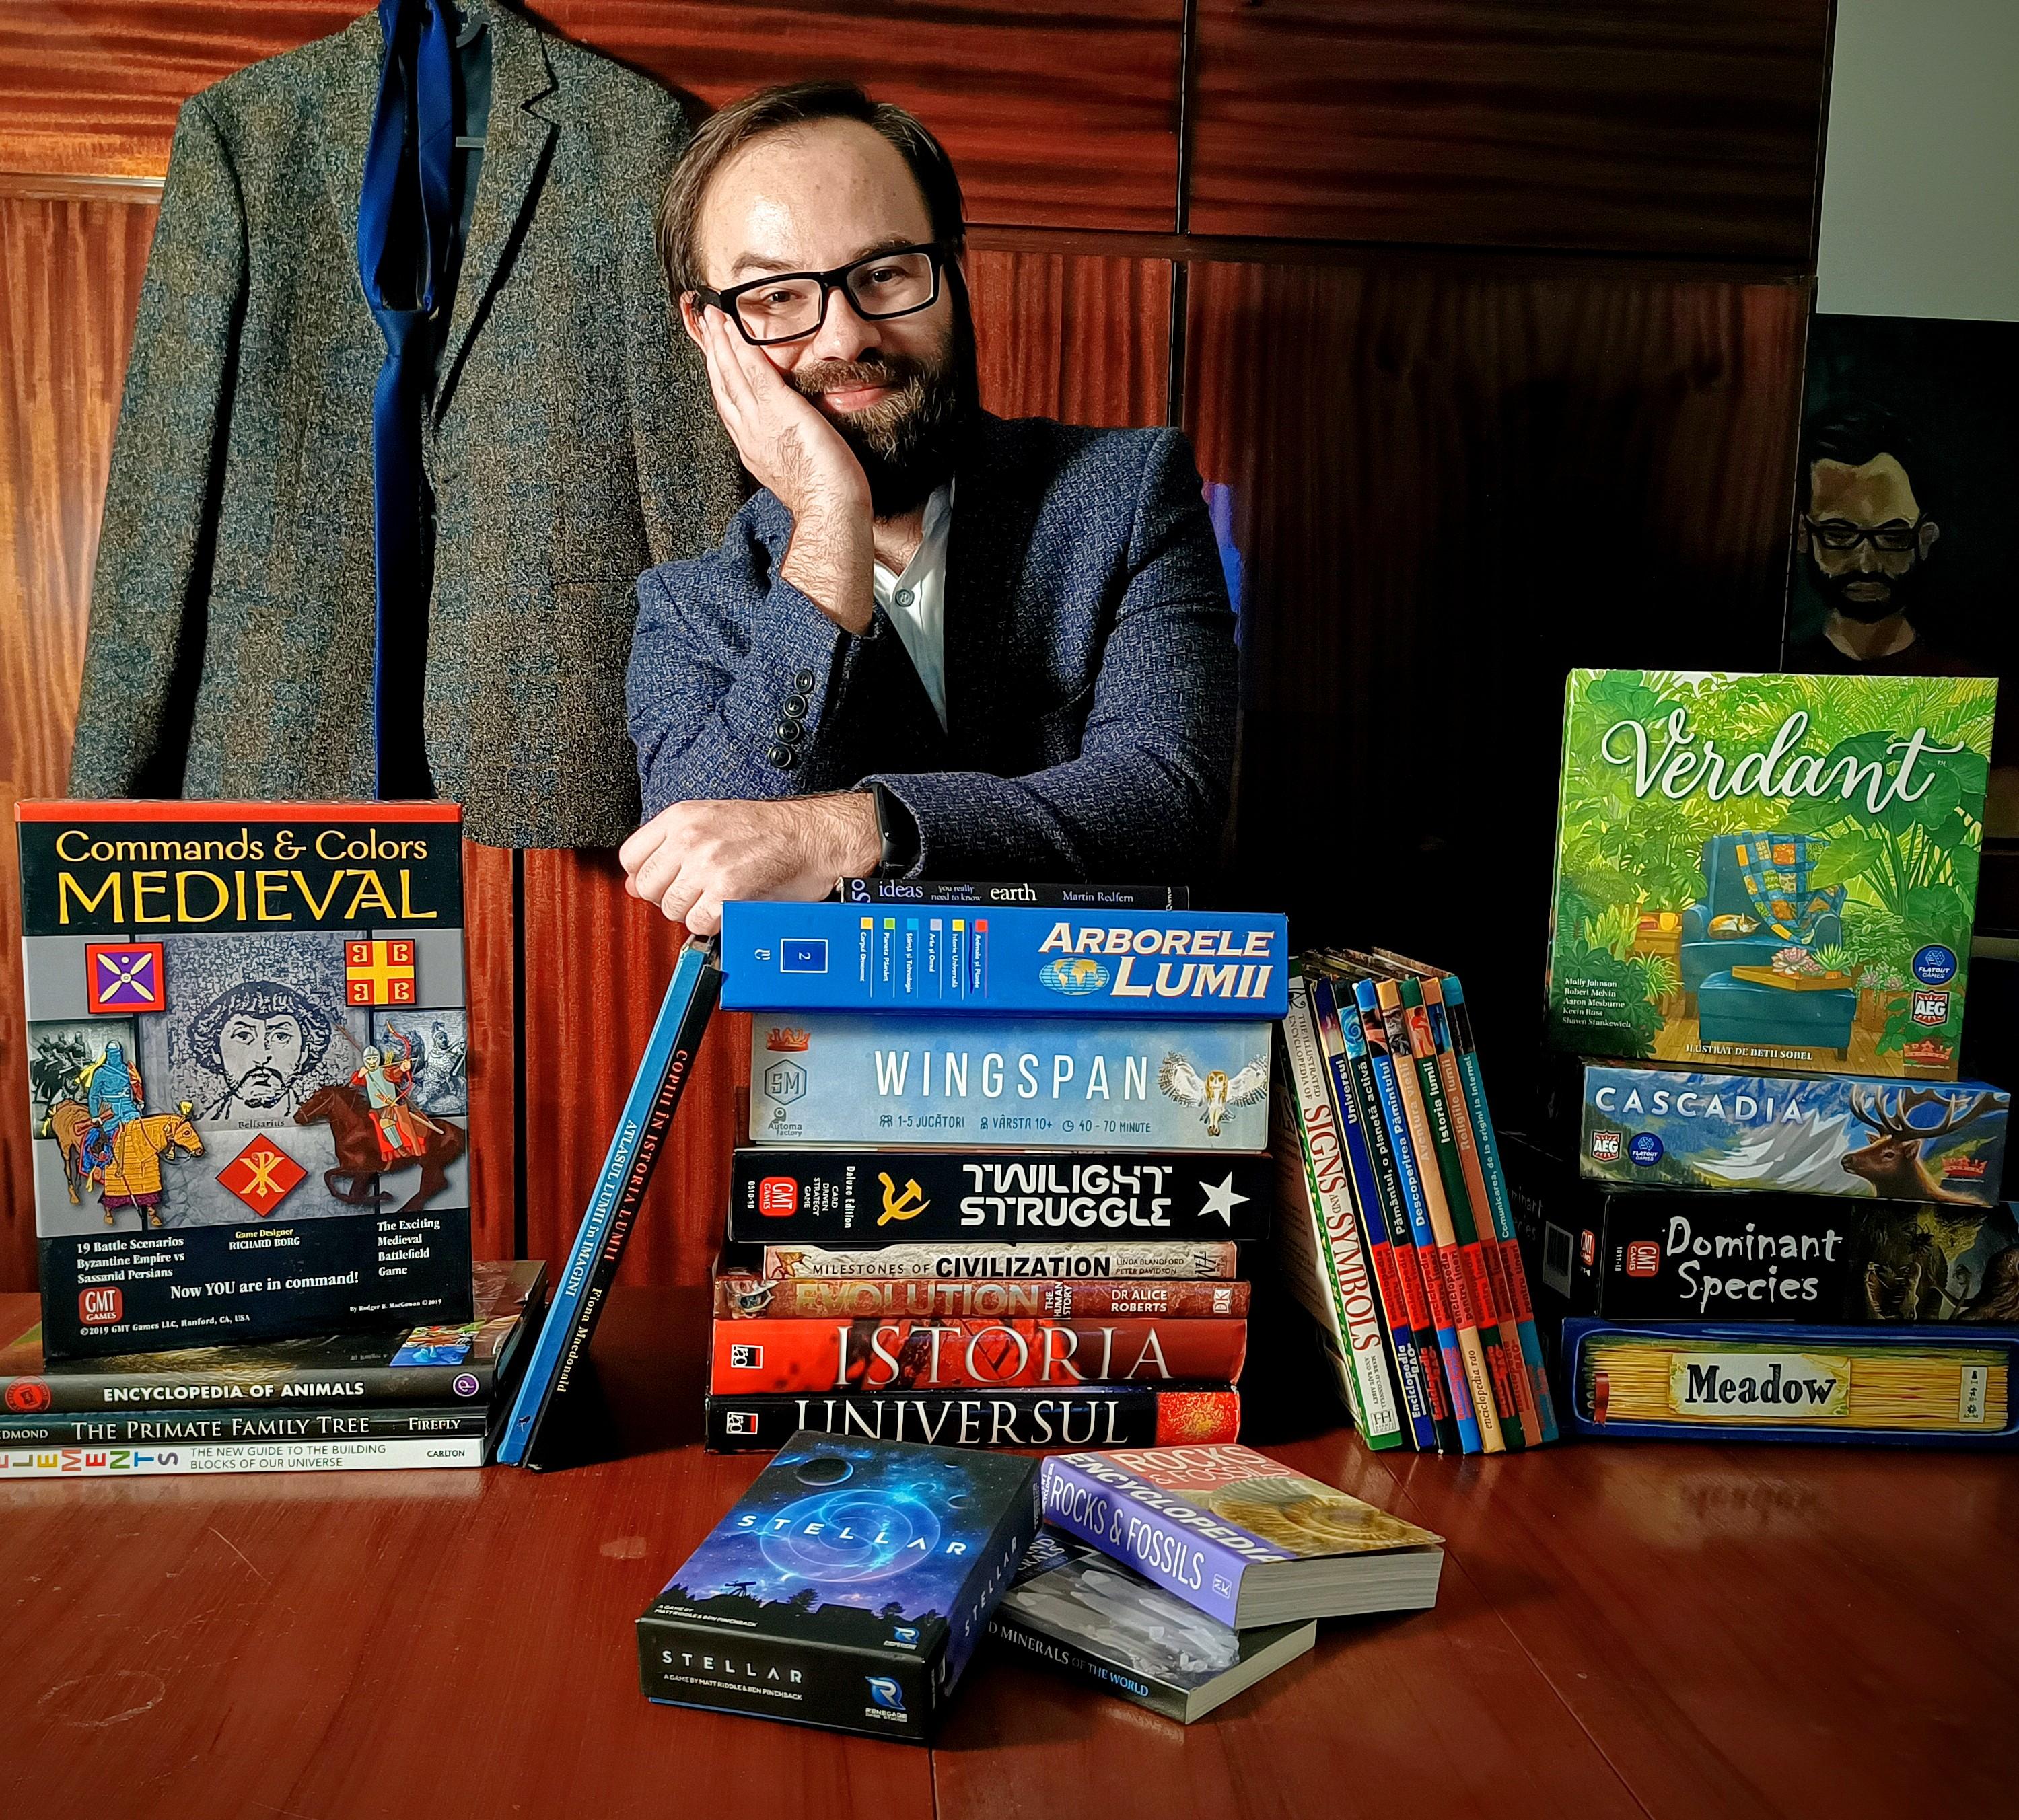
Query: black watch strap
[[897, 834]]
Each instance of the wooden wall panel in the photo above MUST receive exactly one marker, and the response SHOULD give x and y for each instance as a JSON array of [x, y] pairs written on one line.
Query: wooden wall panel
[[1448, 488], [1081, 338], [490, 967], [1058, 112], [1677, 126]]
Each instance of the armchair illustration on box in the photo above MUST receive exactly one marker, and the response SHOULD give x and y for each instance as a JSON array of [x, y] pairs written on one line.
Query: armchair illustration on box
[[1757, 904]]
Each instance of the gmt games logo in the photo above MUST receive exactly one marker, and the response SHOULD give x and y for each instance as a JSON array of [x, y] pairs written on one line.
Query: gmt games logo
[[100, 1308]]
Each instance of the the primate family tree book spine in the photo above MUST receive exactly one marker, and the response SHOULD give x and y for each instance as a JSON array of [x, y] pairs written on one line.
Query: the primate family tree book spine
[[740, 1295], [791, 1357], [1502, 1363], [1029, 1261], [563, 1346], [1437, 1340], [1409, 1126], [1501, 1206], [868, 1196], [99, 1462], [1373, 1225], [1340, 1251], [986, 895], [202, 1427], [1097, 1416], [1096, 1501]]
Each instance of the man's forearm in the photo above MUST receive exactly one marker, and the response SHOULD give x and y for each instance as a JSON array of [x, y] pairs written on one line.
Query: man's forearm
[[830, 561]]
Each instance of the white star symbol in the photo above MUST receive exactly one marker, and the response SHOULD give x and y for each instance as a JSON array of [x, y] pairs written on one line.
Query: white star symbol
[[1222, 1200]]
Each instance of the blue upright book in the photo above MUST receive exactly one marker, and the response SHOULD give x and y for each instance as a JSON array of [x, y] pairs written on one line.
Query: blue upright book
[[912, 1082], [1015, 960]]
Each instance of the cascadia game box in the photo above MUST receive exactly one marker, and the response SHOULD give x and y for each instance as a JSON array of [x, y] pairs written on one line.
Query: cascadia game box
[[1768, 872], [1087, 1416], [1873, 1138], [851, 1196], [937, 1082], [1012, 961], [847, 1588], [247, 1085]]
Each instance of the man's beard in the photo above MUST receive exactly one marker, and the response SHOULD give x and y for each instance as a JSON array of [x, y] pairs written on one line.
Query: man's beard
[[905, 442], [260, 1087], [1899, 597]]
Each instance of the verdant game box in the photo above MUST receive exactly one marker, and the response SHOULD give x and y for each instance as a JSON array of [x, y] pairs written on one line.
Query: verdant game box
[[1767, 871], [847, 1588], [249, 1103]]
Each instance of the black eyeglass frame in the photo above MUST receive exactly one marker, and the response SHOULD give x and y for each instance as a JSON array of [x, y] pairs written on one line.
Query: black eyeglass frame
[[1904, 537], [829, 282]]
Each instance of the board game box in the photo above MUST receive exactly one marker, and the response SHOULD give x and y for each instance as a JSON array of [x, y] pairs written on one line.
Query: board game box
[[1767, 871], [248, 1089], [847, 1588]]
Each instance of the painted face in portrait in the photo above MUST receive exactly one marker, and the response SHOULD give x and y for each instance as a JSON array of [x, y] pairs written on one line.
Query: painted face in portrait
[[1866, 536]]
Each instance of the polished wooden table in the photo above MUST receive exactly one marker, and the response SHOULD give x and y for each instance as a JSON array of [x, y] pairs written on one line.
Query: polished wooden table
[[1622, 1630]]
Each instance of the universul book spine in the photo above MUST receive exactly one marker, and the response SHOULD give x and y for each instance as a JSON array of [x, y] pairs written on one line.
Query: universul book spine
[[1011, 960], [599, 1245], [1099, 1415], [1407, 1361], [1339, 1249], [1409, 1126]]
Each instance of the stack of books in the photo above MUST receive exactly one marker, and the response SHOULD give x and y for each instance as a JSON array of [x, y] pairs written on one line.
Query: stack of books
[[431, 1396], [1397, 1230], [1760, 1202], [1005, 1141]]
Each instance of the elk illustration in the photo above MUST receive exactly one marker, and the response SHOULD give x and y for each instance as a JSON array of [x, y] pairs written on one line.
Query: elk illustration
[[1892, 1161]]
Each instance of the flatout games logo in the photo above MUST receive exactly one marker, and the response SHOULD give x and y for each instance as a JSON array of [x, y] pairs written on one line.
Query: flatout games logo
[[100, 1308]]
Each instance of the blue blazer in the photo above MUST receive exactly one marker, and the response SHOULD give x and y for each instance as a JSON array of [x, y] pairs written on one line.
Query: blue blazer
[[1090, 669]]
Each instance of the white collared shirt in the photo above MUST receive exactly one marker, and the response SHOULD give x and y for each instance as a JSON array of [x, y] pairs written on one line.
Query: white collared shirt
[[916, 600]]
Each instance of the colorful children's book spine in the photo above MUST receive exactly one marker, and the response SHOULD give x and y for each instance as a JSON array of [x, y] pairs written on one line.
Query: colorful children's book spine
[[1417, 1402], [1509, 1380], [1013, 961], [1297, 1234], [1512, 1273], [216, 1456], [562, 1350], [1415, 1152], [1339, 1255], [1443, 1369]]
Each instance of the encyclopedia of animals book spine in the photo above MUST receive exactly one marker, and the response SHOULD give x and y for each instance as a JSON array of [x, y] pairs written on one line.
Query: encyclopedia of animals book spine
[[955, 1083], [841, 1196], [1012, 960], [1088, 1416], [560, 1355], [1130, 1260], [744, 1296], [898, 1354], [247, 1044]]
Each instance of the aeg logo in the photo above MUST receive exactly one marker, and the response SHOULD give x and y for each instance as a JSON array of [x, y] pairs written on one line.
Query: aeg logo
[[98, 1307]]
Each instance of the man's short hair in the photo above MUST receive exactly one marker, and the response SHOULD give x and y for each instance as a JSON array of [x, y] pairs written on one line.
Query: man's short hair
[[258, 998], [780, 109], [1854, 434]]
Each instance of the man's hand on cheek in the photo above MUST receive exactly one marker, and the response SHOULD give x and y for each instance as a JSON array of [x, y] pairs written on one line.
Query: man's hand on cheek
[[690, 858]]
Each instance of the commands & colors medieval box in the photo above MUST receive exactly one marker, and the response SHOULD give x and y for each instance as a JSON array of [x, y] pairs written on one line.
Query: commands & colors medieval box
[[248, 1100]]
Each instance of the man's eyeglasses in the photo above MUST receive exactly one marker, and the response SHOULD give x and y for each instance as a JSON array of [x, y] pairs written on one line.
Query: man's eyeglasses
[[788, 306], [1837, 533]]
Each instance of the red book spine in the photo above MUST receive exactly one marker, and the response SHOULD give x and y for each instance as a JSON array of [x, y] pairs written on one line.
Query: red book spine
[[740, 1295], [809, 1356]]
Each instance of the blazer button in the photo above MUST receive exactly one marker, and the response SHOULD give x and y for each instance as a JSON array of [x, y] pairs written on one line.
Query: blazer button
[[794, 707], [791, 732], [782, 757], [803, 681]]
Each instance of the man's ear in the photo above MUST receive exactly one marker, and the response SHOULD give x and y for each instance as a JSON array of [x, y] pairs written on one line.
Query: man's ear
[[1925, 540], [689, 319]]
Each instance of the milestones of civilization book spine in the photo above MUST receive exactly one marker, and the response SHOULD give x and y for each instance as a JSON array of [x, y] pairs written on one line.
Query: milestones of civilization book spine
[[1126, 1260], [248, 1070]]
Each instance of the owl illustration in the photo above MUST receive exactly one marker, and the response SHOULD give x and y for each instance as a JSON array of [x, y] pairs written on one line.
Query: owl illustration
[[1217, 1091]]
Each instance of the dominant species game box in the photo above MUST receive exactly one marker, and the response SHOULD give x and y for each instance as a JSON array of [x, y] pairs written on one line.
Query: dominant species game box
[[248, 1094], [1774, 872], [847, 1588]]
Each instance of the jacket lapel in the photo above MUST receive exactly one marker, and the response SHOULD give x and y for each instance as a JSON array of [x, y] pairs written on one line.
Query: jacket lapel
[[993, 518], [516, 142], [347, 103]]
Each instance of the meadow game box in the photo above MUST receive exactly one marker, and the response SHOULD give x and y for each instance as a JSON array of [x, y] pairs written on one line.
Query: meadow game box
[[248, 1100], [1768, 872]]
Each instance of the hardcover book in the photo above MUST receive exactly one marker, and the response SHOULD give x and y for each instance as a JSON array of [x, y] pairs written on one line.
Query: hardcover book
[[1873, 1138], [1934, 1386], [1012, 960], [1241, 1535], [1072, 1607], [940, 1083], [408, 1453], [460, 1364], [986, 895], [847, 1588], [901, 1354], [1773, 872], [743, 1295], [1085, 1415], [248, 1096], [1128, 1260], [874, 1196]]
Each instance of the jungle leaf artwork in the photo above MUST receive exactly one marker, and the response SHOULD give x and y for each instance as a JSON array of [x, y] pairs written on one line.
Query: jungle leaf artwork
[[1718, 834]]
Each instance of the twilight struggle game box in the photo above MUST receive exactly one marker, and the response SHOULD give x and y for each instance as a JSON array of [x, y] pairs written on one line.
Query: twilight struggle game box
[[249, 1097]]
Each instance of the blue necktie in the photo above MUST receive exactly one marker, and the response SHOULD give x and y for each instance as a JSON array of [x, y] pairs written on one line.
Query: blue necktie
[[403, 252]]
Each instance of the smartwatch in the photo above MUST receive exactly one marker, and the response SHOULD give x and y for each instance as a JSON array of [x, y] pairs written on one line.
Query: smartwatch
[[897, 834]]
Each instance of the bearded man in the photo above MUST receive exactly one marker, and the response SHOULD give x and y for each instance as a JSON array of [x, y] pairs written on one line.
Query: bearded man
[[934, 643]]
